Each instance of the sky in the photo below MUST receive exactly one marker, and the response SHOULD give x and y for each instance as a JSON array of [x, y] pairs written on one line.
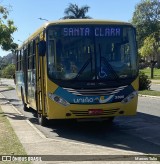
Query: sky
[[25, 13]]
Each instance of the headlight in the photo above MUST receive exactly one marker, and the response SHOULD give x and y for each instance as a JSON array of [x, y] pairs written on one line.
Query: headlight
[[130, 97], [58, 99]]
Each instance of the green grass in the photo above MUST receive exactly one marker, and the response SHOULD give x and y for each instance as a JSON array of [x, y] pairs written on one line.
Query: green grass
[[149, 92], [9, 142], [147, 71]]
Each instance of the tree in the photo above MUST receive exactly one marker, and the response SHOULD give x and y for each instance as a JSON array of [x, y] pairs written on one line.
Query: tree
[[7, 28], [146, 18], [151, 49], [74, 12], [151, 46]]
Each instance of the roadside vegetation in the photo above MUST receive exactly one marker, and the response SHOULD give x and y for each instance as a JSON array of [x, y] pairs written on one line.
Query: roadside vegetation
[[9, 142], [145, 82], [8, 71], [146, 17], [147, 72]]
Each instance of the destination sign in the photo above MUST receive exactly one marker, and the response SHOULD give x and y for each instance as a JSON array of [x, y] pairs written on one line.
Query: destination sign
[[97, 31]]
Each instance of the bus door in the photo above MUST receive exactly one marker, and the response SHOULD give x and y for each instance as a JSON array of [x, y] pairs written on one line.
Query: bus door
[[40, 78]]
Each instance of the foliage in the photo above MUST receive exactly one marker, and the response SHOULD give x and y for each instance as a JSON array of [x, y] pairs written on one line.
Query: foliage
[[146, 19], [7, 28], [8, 71], [144, 82], [75, 12], [151, 46]]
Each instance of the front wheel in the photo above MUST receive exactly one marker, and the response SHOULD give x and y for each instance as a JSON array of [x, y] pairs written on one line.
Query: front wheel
[[42, 120]]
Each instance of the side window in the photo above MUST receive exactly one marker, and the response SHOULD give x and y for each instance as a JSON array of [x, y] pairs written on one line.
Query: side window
[[25, 50], [51, 57], [17, 60], [22, 59], [34, 55], [30, 56]]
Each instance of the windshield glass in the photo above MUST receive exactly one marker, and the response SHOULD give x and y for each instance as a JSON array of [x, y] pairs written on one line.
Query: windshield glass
[[91, 53]]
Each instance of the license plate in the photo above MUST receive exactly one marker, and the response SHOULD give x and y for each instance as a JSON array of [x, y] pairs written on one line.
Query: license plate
[[95, 111]]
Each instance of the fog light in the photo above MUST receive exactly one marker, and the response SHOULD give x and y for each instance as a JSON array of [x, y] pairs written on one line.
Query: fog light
[[121, 112]]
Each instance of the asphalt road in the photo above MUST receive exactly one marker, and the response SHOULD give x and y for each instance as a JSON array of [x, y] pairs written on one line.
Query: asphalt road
[[140, 133]]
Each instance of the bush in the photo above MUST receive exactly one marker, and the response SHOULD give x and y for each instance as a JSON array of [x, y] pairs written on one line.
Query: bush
[[8, 71], [144, 82]]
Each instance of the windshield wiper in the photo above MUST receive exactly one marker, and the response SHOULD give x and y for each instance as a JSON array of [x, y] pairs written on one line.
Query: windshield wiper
[[83, 68], [85, 64]]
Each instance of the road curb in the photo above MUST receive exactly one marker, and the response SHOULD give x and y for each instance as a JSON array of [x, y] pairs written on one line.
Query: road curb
[[158, 97]]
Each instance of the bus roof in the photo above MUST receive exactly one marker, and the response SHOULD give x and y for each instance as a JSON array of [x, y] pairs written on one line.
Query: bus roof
[[74, 21], [87, 21]]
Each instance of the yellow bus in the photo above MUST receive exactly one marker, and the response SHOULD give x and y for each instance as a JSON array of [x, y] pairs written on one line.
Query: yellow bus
[[79, 69]]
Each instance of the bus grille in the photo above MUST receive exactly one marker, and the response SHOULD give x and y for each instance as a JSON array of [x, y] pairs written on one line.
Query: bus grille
[[85, 113], [94, 92]]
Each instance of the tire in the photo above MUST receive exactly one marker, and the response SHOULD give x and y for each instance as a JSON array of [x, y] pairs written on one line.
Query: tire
[[42, 120], [23, 102]]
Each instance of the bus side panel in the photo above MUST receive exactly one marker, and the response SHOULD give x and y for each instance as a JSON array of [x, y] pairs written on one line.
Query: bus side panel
[[135, 84]]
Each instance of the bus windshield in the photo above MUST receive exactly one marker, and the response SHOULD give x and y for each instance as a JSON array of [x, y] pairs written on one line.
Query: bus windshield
[[91, 53]]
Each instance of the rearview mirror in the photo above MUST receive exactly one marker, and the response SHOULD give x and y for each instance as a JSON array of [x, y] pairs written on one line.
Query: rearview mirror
[[42, 48]]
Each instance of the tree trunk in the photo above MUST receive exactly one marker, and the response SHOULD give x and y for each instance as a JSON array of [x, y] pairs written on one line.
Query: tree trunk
[[152, 68], [152, 72], [158, 60]]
